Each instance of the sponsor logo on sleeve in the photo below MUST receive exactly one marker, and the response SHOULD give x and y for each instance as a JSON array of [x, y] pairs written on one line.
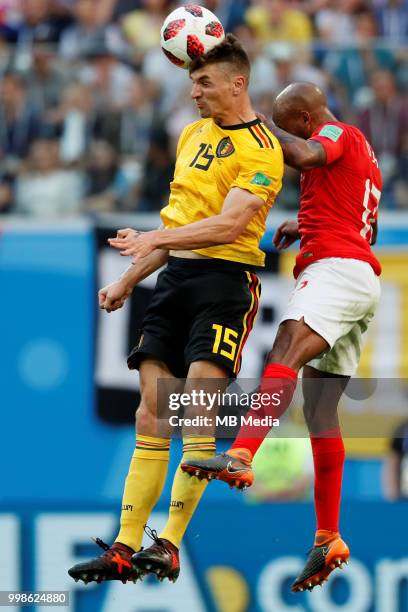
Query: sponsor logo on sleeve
[[332, 132], [261, 179]]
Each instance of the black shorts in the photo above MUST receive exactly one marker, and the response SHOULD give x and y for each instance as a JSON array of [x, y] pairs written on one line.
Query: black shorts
[[201, 309]]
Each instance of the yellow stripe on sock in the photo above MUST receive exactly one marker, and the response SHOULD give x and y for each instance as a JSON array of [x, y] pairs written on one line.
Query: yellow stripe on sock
[[192, 444]]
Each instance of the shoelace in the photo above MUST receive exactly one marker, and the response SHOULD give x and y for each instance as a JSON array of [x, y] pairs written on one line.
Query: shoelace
[[152, 533], [101, 543], [106, 547]]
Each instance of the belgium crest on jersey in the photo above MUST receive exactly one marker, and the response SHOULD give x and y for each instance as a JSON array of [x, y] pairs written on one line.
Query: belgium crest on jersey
[[225, 148]]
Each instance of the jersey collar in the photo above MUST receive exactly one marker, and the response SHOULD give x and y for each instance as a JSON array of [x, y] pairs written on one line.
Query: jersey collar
[[240, 126]]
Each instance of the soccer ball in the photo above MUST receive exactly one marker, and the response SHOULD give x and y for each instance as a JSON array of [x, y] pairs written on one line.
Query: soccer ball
[[188, 32]]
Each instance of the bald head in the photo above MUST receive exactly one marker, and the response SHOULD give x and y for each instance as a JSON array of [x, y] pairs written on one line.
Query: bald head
[[300, 108], [301, 96]]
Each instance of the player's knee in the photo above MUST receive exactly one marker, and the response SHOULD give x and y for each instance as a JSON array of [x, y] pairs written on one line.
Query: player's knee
[[146, 415], [296, 344], [285, 340]]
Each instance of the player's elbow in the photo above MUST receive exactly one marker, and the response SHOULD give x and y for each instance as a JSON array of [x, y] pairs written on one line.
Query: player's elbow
[[293, 161], [303, 161], [306, 157]]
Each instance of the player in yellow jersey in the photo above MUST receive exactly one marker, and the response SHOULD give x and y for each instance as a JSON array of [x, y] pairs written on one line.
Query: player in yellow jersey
[[228, 172]]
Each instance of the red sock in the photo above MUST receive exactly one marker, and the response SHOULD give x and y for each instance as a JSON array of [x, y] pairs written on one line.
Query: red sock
[[328, 457], [276, 379]]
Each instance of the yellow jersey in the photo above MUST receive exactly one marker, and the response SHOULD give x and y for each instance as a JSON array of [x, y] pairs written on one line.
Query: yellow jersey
[[210, 161]]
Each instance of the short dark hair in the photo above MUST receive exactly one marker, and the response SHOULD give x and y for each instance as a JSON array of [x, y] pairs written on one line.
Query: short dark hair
[[229, 51]]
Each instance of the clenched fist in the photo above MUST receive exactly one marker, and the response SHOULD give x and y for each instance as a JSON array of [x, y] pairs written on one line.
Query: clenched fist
[[113, 296]]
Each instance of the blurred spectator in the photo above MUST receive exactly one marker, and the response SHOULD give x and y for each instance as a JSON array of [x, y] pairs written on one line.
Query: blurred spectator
[[353, 65], [109, 79], [263, 72], [11, 16], [63, 7], [283, 467], [45, 81], [74, 122], [165, 81], [107, 183], [88, 31], [6, 192], [38, 25], [335, 20], [129, 129], [45, 189], [82, 88], [231, 13], [393, 19], [119, 8], [289, 68], [106, 10], [142, 27], [6, 54], [157, 173], [274, 20], [385, 124], [184, 112], [396, 465], [113, 10], [19, 121]]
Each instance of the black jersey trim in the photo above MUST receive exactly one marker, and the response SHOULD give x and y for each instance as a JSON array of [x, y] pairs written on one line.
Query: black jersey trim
[[240, 126], [256, 137]]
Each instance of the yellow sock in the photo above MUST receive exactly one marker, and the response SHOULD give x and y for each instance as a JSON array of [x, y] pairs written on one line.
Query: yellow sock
[[186, 491], [143, 486]]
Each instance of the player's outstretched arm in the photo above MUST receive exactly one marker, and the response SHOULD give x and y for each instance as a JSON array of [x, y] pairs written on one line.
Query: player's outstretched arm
[[113, 296], [297, 152], [240, 206]]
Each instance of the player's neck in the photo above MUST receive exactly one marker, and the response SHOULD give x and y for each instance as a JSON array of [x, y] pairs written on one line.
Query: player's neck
[[243, 113], [324, 116]]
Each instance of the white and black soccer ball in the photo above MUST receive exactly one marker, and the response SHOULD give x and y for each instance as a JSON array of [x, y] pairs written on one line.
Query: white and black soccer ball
[[188, 32]]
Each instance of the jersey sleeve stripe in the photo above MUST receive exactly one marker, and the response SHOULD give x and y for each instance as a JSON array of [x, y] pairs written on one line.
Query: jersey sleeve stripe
[[258, 140], [262, 128], [261, 136]]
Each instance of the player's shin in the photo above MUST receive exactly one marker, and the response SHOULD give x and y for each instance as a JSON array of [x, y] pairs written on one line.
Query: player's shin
[[277, 387], [329, 550], [186, 492], [143, 486], [328, 457]]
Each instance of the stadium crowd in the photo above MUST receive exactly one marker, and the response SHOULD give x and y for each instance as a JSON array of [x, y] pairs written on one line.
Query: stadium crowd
[[90, 108]]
